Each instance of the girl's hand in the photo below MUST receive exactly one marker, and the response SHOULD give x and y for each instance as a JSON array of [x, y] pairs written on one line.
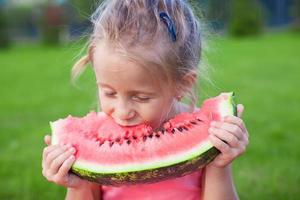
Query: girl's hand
[[230, 137], [57, 161]]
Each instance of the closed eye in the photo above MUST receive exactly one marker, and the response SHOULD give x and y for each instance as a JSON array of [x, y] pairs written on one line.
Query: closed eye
[[141, 99], [110, 94]]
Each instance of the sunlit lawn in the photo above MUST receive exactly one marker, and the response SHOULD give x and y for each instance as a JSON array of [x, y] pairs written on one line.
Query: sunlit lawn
[[264, 72]]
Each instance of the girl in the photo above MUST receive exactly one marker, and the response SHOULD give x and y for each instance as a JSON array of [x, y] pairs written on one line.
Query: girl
[[145, 55]]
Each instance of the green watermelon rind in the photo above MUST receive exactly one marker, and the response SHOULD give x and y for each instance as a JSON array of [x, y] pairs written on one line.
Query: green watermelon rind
[[150, 175], [228, 107]]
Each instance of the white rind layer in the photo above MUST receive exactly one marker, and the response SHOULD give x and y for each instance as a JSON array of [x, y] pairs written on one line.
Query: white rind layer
[[226, 108]]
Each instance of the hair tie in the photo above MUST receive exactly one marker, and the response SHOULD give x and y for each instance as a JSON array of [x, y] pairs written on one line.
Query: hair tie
[[169, 23]]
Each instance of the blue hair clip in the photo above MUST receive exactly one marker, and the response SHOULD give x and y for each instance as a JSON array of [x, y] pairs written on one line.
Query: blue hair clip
[[170, 25]]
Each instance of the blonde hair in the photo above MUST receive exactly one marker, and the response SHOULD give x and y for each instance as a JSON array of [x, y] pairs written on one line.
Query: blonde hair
[[134, 29]]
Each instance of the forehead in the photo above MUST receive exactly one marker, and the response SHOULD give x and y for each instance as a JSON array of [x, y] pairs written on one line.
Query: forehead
[[115, 70]]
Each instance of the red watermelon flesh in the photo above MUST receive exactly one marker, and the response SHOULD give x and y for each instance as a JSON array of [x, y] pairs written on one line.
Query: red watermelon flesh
[[111, 154]]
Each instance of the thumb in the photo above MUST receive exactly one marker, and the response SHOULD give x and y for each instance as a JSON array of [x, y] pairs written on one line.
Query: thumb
[[240, 110], [47, 139]]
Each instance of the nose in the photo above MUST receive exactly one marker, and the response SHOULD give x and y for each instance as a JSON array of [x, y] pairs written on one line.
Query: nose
[[124, 111]]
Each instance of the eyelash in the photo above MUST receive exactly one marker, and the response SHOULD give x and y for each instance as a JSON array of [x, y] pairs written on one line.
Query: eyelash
[[141, 99], [109, 94], [136, 98]]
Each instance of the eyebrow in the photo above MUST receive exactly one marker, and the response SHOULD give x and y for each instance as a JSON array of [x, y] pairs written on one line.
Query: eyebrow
[[133, 91], [104, 85]]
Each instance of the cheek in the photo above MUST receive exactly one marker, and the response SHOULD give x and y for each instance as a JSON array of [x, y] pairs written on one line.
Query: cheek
[[105, 105], [155, 113]]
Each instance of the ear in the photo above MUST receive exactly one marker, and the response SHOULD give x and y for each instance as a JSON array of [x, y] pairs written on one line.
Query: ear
[[190, 79], [187, 82]]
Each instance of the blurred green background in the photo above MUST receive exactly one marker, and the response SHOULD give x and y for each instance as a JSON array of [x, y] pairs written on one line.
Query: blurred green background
[[253, 50]]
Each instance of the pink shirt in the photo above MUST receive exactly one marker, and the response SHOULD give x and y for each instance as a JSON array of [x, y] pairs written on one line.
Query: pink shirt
[[187, 188]]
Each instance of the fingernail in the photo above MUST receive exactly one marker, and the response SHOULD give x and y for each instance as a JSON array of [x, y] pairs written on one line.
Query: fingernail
[[72, 150]]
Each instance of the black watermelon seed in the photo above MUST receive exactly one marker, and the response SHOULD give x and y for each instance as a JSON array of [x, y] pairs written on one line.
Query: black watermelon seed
[[118, 139], [173, 130], [200, 120], [144, 137], [134, 137], [151, 135], [111, 143], [180, 129], [193, 122], [185, 128], [128, 141], [157, 135]]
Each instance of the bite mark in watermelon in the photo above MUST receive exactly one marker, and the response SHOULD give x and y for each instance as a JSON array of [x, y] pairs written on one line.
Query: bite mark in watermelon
[[110, 154]]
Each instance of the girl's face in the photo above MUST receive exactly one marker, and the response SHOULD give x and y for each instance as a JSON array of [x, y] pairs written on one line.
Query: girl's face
[[129, 93]]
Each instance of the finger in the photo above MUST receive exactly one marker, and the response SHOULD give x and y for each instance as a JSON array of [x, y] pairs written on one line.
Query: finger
[[240, 110], [232, 128], [219, 144], [53, 154], [236, 121], [47, 140], [66, 166], [48, 150], [59, 160], [225, 136]]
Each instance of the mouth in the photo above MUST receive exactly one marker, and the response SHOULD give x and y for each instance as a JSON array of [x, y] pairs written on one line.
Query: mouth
[[130, 123]]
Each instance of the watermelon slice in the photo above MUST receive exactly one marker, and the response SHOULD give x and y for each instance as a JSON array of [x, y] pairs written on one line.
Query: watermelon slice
[[113, 155]]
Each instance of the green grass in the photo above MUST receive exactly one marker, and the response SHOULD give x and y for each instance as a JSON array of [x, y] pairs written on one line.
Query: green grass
[[264, 72]]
